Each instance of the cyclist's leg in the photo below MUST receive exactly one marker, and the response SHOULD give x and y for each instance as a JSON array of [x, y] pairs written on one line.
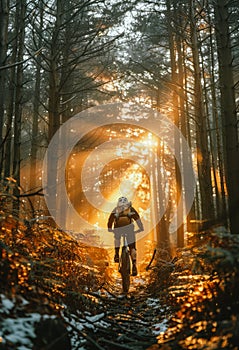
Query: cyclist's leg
[[117, 237], [133, 253], [132, 248]]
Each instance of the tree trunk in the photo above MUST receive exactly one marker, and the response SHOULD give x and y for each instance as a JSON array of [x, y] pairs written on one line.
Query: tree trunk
[[203, 161], [177, 148], [54, 78], [211, 138], [54, 110], [4, 13], [36, 105], [21, 14], [186, 130], [162, 227], [222, 214], [228, 111], [9, 117]]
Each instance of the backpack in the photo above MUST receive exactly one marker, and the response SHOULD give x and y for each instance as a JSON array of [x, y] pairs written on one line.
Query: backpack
[[123, 218]]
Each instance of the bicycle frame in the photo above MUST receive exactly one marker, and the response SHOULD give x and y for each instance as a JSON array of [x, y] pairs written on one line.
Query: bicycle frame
[[124, 265]]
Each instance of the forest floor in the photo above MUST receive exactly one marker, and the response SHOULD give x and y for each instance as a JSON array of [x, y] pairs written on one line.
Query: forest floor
[[59, 294]]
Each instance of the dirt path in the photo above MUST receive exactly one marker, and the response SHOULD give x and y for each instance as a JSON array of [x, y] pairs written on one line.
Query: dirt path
[[126, 322]]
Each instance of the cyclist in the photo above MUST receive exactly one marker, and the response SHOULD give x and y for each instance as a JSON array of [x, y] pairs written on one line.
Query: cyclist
[[121, 221]]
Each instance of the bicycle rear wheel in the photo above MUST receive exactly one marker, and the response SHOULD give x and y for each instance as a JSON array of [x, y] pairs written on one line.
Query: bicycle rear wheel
[[125, 270]]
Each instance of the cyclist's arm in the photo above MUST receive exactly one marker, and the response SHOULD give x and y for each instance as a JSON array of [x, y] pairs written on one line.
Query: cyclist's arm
[[110, 222], [137, 219], [140, 224]]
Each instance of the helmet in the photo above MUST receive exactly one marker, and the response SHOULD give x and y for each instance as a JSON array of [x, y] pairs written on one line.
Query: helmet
[[123, 201]]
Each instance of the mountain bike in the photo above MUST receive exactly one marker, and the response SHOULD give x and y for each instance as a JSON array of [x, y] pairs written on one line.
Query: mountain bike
[[125, 264]]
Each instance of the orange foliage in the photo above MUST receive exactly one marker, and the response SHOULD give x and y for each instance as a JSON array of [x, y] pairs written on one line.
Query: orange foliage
[[46, 264]]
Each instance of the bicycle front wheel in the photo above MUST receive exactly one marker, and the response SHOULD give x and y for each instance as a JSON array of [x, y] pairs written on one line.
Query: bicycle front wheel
[[125, 270]]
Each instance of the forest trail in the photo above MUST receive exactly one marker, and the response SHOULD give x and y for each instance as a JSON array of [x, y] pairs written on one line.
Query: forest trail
[[176, 305], [131, 321], [66, 301]]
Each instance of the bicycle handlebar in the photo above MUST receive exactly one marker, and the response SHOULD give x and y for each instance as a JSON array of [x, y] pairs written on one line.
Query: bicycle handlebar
[[138, 231]]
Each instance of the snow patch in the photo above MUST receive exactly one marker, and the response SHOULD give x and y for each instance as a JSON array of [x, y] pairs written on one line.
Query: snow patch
[[7, 304], [19, 331], [95, 318], [160, 328]]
